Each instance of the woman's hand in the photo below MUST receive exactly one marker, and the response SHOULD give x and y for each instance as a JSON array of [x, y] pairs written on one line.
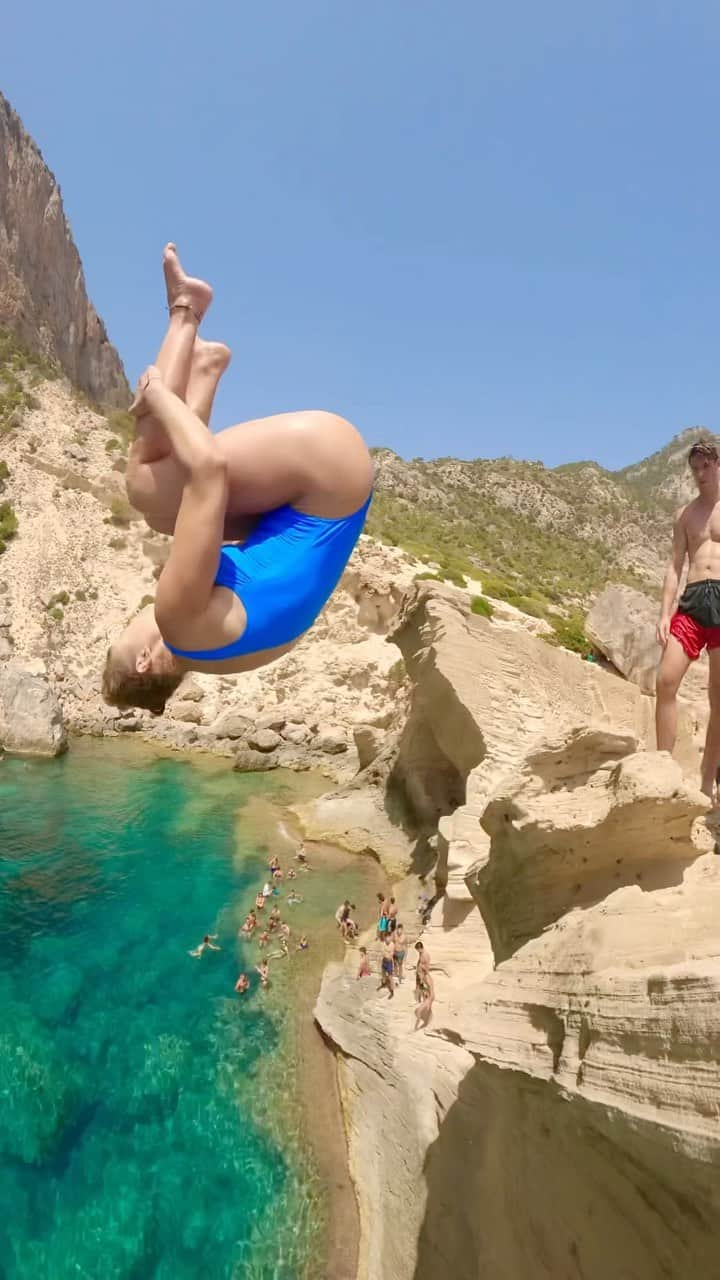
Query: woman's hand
[[143, 391]]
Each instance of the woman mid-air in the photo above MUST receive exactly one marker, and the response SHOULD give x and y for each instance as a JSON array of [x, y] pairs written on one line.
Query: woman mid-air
[[296, 486]]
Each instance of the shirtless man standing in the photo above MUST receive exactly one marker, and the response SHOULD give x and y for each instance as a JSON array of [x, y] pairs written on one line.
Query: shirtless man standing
[[695, 624]]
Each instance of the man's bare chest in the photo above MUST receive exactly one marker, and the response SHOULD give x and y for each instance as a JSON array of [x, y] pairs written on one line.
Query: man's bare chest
[[703, 526]]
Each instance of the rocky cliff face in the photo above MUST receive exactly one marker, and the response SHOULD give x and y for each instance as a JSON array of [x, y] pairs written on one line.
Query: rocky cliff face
[[559, 1115], [42, 288]]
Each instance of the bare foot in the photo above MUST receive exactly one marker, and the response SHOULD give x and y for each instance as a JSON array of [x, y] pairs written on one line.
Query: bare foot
[[211, 356], [184, 290]]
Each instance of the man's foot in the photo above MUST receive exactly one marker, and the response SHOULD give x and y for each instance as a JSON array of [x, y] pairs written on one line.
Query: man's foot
[[211, 357], [184, 290]]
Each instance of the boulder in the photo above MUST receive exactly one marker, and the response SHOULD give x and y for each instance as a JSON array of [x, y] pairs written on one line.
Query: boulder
[[249, 761], [31, 721], [231, 725], [189, 691], [76, 453], [5, 619], [296, 734], [274, 720], [187, 713], [621, 625], [5, 647], [368, 742], [331, 740], [264, 740]]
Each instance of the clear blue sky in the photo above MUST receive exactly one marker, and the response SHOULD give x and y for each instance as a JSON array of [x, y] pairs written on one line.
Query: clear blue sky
[[473, 228]]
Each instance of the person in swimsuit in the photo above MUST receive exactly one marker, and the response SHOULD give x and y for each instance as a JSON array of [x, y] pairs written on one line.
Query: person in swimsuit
[[424, 995], [303, 944], [399, 952], [695, 624], [243, 984], [249, 924], [364, 968], [263, 968], [387, 967], [207, 944], [295, 486]]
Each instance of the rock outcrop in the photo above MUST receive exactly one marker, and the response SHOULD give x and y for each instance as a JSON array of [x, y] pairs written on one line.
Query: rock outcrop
[[559, 1115], [42, 287], [31, 721]]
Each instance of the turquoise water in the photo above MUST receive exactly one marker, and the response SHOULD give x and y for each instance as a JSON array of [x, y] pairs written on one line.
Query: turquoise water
[[131, 1141]]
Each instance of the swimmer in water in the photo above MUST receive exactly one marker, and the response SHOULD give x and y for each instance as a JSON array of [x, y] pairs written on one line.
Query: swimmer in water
[[250, 924], [303, 944], [263, 968], [243, 984], [207, 944], [295, 486], [293, 898]]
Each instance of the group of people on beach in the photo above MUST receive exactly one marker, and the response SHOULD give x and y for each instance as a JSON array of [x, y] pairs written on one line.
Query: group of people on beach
[[391, 935], [273, 927]]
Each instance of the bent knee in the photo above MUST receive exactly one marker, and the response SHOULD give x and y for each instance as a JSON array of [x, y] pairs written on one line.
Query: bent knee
[[667, 683]]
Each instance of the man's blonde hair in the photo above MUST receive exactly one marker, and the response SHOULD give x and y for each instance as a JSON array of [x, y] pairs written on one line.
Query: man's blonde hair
[[123, 686]]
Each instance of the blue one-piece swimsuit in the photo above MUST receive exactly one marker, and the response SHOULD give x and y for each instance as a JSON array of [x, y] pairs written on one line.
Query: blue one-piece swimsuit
[[284, 574]]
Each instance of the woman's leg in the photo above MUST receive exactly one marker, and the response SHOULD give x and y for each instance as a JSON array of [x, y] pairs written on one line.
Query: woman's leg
[[188, 299], [154, 479]]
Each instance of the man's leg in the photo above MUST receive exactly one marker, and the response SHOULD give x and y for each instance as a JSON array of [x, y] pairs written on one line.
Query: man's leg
[[711, 754], [673, 666]]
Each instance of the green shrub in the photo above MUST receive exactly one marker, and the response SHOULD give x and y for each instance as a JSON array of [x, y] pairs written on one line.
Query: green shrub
[[145, 601], [92, 593], [80, 594], [122, 424], [60, 598], [112, 444], [497, 587], [453, 575], [57, 613], [427, 577], [8, 524], [481, 606], [121, 513], [570, 633], [118, 543]]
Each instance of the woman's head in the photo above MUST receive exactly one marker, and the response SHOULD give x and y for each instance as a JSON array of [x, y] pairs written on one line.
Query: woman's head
[[139, 670]]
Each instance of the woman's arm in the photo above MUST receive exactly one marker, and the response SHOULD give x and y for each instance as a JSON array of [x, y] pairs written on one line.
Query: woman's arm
[[186, 582]]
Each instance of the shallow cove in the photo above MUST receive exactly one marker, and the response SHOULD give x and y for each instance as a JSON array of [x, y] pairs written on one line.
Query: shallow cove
[[150, 1123]]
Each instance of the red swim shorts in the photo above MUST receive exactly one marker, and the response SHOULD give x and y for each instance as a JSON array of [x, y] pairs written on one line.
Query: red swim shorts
[[692, 636]]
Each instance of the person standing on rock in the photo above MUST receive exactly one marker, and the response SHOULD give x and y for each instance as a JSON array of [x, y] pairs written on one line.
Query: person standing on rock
[[297, 486], [684, 631]]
